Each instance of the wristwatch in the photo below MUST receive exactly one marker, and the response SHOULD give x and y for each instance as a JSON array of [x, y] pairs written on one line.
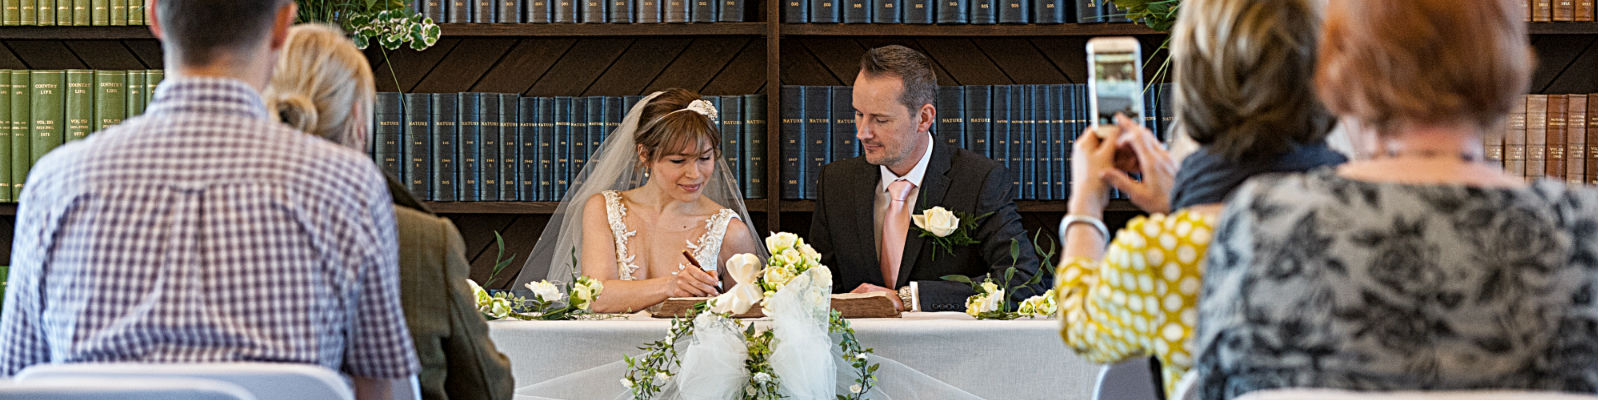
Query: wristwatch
[[908, 298]]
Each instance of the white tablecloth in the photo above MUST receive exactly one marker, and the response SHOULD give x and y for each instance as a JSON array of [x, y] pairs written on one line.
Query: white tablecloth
[[1020, 359]]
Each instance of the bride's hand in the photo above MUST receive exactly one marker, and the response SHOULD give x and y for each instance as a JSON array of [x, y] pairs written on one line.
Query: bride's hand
[[689, 281]]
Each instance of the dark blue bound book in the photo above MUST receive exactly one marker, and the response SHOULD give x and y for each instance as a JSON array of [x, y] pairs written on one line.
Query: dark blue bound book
[[844, 144], [509, 148], [754, 140], [483, 13], [649, 11], [1113, 14], [885, 11], [562, 148], [1087, 12], [528, 155], [1167, 114], [1046, 108], [730, 11], [731, 111], [1018, 127], [460, 11], [489, 159], [388, 134], [622, 11], [704, 11], [857, 11], [953, 12], [951, 116], [468, 161], [919, 11], [418, 144], [818, 136], [567, 11], [615, 111], [795, 11], [510, 12], [594, 11], [627, 104], [577, 157], [544, 132], [793, 141], [433, 9], [1079, 115], [1032, 131], [1060, 144], [596, 128], [676, 11], [446, 141], [984, 12], [826, 11], [999, 140], [1049, 12], [1014, 11], [979, 119], [539, 12]]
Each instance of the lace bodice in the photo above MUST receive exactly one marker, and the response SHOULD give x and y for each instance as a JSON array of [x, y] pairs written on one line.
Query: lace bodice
[[706, 250]]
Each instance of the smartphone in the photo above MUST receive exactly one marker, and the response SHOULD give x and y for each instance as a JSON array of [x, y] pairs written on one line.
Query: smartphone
[[1115, 82]]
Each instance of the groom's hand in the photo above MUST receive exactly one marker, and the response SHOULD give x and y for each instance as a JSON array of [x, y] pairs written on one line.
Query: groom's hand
[[892, 294]]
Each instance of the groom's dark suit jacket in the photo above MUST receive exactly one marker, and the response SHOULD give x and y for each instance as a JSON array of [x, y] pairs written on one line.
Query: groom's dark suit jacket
[[957, 180]]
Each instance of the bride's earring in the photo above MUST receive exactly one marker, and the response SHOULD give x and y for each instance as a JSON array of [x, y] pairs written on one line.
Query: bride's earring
[[646, 172]]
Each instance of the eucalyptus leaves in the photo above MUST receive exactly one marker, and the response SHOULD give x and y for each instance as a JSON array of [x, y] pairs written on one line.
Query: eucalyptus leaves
[[387, 23]]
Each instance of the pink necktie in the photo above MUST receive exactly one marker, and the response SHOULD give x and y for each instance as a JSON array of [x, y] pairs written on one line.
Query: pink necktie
[[895, 226]]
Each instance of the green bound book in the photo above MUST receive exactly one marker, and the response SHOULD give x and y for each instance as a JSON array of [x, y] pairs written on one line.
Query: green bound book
[[5, 145], [110, 98], [79, 104], [135, 103], [152, 79], [47, 112], [63, 12], [80, 12], [46, 11], [135, 12], [99, 13], [28, 12], [118, 10], [20, 111], [11, 12]]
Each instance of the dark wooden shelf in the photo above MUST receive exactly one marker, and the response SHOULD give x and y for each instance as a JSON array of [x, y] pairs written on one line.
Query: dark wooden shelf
[[494, 207], [965, 30], [1563, 28], [1026, 206], [75, 32], [528, 30]]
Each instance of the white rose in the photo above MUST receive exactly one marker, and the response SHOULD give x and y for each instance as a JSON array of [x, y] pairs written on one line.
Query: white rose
[[627, 383], [791, 257], [989, 287], [662, 376], [810, 253], [762, 377], [937, 220], [973, 304], [543, 290], [991, 303], [584, 293], [778, 242], [499, 307], [776, 277], [854, 389], [1040, 306]]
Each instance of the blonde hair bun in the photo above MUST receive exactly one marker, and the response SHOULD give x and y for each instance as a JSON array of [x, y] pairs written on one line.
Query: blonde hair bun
[[296, 110]]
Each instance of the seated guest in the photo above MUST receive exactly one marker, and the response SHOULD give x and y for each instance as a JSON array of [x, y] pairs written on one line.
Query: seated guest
[[1419, 266], [323, 85], [903, 171], [207, 231], [1243, 90]]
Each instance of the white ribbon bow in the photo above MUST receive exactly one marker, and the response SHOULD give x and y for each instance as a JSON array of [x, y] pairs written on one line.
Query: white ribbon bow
[[744, 269]]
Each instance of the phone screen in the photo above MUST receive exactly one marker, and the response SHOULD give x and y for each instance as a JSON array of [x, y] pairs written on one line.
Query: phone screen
[[1117, 87]]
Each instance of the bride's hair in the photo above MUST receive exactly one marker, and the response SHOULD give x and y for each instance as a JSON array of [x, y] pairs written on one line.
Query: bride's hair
[[666, 125]]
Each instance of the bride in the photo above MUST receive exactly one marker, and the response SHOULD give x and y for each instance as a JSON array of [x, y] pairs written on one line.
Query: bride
[[655, 190]]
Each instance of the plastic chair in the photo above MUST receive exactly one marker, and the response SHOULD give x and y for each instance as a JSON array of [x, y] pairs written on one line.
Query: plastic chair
[[1330, 394], [266, 381], [1129, 380], [122, 389]]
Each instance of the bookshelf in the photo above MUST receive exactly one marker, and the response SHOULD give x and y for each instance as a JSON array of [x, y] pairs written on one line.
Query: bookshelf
[[714, 59]]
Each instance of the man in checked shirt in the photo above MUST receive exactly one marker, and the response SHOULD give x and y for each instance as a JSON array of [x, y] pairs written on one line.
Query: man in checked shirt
[[206, 231]]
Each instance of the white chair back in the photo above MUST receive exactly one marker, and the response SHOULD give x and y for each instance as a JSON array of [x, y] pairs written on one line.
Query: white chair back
[[266, 381], [1129, 380], [1330, 394], [122, 389]]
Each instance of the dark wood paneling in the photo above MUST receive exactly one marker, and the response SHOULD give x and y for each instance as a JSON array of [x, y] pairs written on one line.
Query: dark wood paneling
[[406, 66], [572, 74], [44, 54], [640, 64], [9, 60], [965, 62], [106, 54], [148, 51], [524, 64], [746, 73], [839, 56], [704, 60], [1019, 60], [800, 67], [464, 66], [1566, 64], [1066, 55]]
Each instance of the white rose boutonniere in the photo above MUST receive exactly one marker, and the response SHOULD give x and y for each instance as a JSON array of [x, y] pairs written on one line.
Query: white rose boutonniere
[[946, 228]]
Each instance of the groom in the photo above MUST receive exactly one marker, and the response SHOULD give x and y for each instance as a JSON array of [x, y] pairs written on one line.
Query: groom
[[861, 223]]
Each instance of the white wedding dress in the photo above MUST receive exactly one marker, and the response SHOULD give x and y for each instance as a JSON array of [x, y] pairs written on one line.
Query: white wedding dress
[[706, 250]]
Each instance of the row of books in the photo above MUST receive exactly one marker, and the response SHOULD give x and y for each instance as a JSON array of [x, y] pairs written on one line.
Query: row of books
[[42, 109], [1027, 128], [1558, 10], [1550, 135], [71, 12], [977, 12], [583, 11], [505, 147]]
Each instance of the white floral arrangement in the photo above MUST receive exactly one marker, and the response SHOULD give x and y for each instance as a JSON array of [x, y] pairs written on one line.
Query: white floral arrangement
[[549, 301], [794, 290], [992, 299], [946, 228]]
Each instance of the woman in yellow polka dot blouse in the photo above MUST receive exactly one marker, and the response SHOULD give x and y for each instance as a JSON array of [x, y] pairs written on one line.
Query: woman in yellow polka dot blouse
[[1243, 71]]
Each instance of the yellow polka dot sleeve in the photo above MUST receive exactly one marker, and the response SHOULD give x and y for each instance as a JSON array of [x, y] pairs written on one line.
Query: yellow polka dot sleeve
[[1142, 298]]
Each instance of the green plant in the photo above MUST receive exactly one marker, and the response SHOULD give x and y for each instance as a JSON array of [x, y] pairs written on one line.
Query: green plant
[[1006, 289], [388, 23], [1159, 15], [500, 262]]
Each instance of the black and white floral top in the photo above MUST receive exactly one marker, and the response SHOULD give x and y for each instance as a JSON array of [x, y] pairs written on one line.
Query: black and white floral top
[[1319, 281]]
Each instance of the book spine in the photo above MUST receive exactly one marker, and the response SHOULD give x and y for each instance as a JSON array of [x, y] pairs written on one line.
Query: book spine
[[418, 150], [469, 149], [11, 15], [63, 12], [136, 12], [795, 12], [99, 12], [919, 11], [46, 12], [818, 138], [1493, 144], [578, 158], [885, 12], [1087, 12], [460, 11], [80, 13], [1038, 143], [1576, 140], [388, 116], [483, 12], [29, 13], [731, 11], [596, 129], [1592, 139], [857, 11], [732, 122], [509, 148], [844, 144], [594, 11], [79, 104], [1112, 13], [530, 157], [1062, 142], [1542, 11], [5, 128], [1564, 10], [952, 12], [135, 93], [1167, 113], [951, 116], [435, 10], [825, 11], [1049, 12], [1555, 160], [675, 11], [489, 157], [999, 140], [984, 12], [1515, 139], [979, 119], [649, 11], [47, 112], [21, 110], [1584, 10], [538, 12], [622, 11], [704, 11], [1536, 135], [547, 142], [754, 135], [562, 148], [446, 145], [152, 80], [614, 112], [510, 12], [1014, 11], [566, 11], [792, 136]]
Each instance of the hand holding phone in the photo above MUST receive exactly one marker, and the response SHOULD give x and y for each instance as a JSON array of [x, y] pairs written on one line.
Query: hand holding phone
[[1115, 82]]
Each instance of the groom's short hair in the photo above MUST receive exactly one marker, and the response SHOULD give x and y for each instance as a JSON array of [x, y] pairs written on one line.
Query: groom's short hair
[[912, 68], [202, 30]]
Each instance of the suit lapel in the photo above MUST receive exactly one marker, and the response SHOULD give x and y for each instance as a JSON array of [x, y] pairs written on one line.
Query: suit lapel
[[933, 186], [862, 202]]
